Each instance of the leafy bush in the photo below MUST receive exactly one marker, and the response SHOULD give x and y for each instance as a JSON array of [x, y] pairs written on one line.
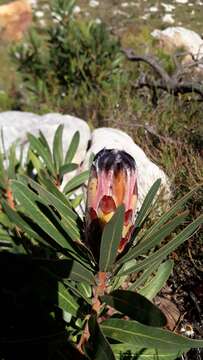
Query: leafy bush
[[69, 59], [56, 298]]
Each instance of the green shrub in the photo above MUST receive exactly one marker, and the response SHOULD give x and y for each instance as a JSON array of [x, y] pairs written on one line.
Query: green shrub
[[69, 59], [56, 296]]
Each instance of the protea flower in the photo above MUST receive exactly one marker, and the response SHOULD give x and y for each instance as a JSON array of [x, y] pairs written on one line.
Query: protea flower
[[112, 182]]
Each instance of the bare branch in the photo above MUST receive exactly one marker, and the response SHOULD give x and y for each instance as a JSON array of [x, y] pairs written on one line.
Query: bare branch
[[167, 83]]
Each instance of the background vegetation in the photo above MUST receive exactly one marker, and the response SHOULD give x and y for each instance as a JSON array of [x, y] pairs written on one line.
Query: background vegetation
[[77, 66]]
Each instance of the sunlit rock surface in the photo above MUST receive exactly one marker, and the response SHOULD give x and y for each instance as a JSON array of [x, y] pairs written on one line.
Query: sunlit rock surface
[[15, 19], [16, 124], [174, 37]]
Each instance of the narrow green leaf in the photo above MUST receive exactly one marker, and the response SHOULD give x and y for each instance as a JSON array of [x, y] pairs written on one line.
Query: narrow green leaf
[[28, 199], [21, 223], [42, 151], [3, 177], [118, 281], [45, 143], [151, 289], [12, 162], [58, 148], [148, 242], [80, 273], [76, 291], [144, 276], [77, 181], [77, 200], [163, 219], [147, 203], [141, 353], [4, 219], [85, 288], [67, 269], [166, 249], [66, 168], [177, 206], [97, 347], [136, 306], [49, 185], [66, 301], [72, 147], [49, 198], [111, 237], [132, 332], [36, 163]]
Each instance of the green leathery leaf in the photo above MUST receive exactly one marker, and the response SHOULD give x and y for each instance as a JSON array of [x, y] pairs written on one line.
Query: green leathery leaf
[[4, 219], [37, 164], [28, 199], [77, 181], [148, 201], [144, 276], [77, 200], [143, 246], [98, 347], [151, 289], [21, 223], [136, 306], [3, 177], [66, 301], [164, 218], [66, 168], [79, 273], [141, 353], [166, 249], [118, 281], [85, 288], [12, 162], [75, 290], [72, 147], [69, 217], [42, 151], [132, 332], [58, 148], [110, 240], [45, 143], [68, 269], [51, 187]]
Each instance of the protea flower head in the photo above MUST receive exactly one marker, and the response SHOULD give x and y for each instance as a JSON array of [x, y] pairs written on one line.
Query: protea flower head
[[112, 182]]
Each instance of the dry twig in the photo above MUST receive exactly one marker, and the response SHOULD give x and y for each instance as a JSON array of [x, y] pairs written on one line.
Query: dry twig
[[171, 84]]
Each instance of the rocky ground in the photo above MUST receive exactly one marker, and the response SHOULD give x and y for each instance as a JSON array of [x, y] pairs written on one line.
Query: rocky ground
[[121, 14]]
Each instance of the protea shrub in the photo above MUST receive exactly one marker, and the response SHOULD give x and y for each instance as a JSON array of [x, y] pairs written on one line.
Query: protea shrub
[[62, 280]]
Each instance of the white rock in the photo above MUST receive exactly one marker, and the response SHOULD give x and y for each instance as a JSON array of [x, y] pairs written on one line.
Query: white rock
[[93, 3], [153, 9], [168, 7], [181, 1], [16, 124], [168, 18], [76, 9], [39, 14], [98, 21], [176, 37], [145, 16], [50, 122], [148, 172], [124, 5]]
